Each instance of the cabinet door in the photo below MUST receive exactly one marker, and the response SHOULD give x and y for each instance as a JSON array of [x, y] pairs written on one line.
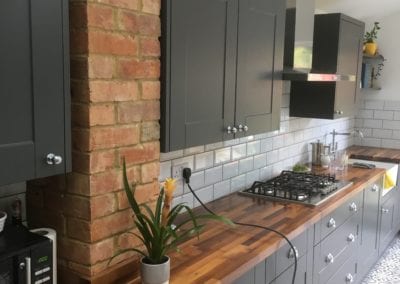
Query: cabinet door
[[368, 250], [349, 62], [387, 223], [259, 64], [199, 71], [33, 87]]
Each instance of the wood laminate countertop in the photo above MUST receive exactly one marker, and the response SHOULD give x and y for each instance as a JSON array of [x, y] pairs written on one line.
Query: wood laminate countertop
[[222, 253], [375, 154]]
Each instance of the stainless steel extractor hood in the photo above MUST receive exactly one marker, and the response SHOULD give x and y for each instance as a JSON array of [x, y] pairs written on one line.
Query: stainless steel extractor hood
[[298, 53]]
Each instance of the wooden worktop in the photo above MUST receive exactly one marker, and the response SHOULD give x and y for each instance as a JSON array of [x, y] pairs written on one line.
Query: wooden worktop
[[375, 154], [222, 254]]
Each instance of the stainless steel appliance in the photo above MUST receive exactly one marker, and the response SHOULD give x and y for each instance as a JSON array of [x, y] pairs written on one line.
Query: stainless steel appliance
[[305, 188], [25, 257]]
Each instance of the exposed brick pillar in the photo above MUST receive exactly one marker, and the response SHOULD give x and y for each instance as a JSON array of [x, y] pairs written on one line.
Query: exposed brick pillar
[[115, 86]]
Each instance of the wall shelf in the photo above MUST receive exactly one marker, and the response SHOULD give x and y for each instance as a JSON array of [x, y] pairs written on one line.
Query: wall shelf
[[371, 70]]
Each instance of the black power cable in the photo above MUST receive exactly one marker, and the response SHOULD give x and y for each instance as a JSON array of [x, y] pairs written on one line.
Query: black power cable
[[187, 172]]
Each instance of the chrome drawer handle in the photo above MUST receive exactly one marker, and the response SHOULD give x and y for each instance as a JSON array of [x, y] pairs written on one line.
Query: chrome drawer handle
[[375, 188], [52, 159], [329, 258], [349, 278], [351, 238], [291, 254], [385, 211], [231, 129], [353, 207], [332, 223]]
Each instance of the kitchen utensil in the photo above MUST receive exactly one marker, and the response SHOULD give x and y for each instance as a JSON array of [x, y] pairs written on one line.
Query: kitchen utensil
[[316, 151]]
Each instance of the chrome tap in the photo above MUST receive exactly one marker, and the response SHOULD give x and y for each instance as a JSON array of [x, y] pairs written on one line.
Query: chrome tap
[[355, 132]]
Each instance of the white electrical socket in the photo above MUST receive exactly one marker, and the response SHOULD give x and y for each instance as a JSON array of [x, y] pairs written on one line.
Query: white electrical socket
[[177, 170]]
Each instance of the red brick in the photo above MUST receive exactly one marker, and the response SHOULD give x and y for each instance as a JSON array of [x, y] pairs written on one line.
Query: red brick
[[100, 16], [78, 15], [150, 171], [101, 67], [105, 182], [108, 91], [77, 206], [103, 114], [80, 114], [79, 91], [143, 193], [128, 4], [142, 153], [78, 229], [110, 137], [102, 205], [150, 131], [80, 162], [140, 23], [78, 184], [112, 43], [112, 224], [123, 256], [135, 69], [151, 6], [79, 41], [101, 161], [128, 240], [151, 90], [79, 68], [150, 47], [138, 111], [101, 250], [74, 250], [80, 139], [76, 268]]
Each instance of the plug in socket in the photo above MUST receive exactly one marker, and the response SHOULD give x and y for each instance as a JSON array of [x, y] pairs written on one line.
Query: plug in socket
[[178, 169]]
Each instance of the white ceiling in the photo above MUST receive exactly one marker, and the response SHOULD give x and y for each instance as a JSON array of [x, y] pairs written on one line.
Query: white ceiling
[[361, 9]]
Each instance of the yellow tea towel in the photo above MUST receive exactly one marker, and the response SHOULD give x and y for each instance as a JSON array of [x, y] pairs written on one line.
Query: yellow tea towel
[[388, 181]]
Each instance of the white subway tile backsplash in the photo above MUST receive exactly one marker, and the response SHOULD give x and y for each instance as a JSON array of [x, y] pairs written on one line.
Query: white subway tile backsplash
[[246, 165], [272, 157], [391, 143], [189, 160], [213, 175], [372, 104], [253, 148], [197, 181], [371, 142], [396, 134], [238, 183], [266, 145], [193, 150], [260, 161], [165, 170], [382, 133], [266, 173], [238, 151], [222, 188], [222, 155], [396, 115], [391, 124], [372, 123], [278, 142], [392, 105], [366, 113], [251, 177], [205, 194], [171, 155], [204, 160], [213, 146], [230, 170], [383, 114]]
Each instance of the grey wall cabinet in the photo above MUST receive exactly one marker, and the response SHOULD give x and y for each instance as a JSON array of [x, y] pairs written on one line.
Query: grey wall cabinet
[[34, 88], [221, 68], [338, 41]]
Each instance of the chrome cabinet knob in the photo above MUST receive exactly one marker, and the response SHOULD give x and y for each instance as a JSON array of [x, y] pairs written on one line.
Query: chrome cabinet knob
[[22, 266], [349, 278], [332, 223], [329, 258], [385, 211], [375, 188], [351, 238], [231, 129], [291, 254], [243, 128], [338, 112], [52, 159], [353, 207]]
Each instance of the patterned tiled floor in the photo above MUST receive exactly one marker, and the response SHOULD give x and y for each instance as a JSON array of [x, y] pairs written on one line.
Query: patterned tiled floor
[[387, 269]]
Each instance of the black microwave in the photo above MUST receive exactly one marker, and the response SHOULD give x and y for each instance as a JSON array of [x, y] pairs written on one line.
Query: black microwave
[[25, 257]]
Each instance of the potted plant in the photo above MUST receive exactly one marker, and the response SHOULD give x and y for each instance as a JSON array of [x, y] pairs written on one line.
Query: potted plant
[[370, 45], [158, 232]]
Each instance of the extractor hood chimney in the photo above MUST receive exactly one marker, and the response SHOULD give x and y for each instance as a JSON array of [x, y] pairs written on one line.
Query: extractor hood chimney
[[298, 53]]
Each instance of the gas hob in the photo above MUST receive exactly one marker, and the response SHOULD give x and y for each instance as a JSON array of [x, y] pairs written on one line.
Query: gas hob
[[305, 188]]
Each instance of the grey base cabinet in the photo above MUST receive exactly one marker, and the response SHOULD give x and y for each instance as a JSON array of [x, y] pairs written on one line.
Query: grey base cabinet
[[34, 88], [220, 70]]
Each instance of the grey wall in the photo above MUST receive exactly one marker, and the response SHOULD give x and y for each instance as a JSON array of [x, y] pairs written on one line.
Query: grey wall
[[226, 167]]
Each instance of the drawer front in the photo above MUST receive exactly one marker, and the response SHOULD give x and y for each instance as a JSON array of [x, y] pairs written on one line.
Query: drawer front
[[336, 249], [285, 255], [287, 276], [332, 221], [346, 274]]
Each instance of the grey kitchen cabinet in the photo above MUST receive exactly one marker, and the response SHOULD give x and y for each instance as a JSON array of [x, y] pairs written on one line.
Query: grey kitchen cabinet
[[221, 70], [368, 249], [34, 86], [338, 41], [388, 214]]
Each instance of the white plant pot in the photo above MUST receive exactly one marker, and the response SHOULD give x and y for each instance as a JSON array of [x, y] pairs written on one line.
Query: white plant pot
[[155, 273], [3, 217]]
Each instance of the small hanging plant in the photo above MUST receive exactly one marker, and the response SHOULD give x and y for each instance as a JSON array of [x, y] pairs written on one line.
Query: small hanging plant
[[371, 36]]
